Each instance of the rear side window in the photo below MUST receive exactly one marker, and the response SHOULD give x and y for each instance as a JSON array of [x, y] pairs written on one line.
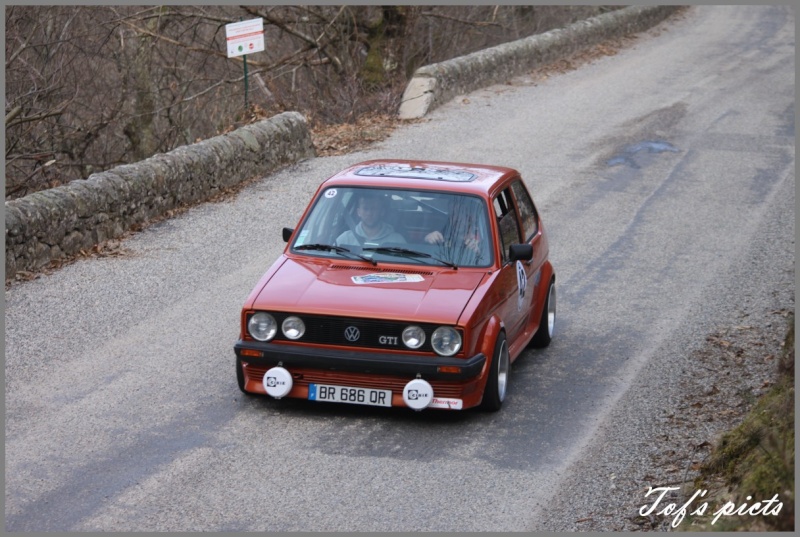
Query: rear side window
[[507, 221], [527, 211]]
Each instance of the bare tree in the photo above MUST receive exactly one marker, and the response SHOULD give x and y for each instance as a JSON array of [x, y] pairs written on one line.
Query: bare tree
[[91, 87]]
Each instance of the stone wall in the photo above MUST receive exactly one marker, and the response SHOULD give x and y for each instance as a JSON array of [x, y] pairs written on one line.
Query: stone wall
[[51, 224], [436, 84]]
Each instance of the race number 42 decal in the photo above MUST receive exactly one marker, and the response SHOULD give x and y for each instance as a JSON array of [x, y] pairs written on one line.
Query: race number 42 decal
[[522, 284]]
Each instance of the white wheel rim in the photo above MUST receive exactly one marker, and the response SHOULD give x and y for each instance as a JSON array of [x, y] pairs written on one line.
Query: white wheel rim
[[502, 371], [551, 310]]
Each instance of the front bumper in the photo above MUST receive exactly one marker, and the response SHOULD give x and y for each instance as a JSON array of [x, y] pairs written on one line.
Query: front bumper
[[404, 365]]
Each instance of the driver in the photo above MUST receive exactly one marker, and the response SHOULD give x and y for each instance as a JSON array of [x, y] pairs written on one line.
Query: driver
[[371, 230]]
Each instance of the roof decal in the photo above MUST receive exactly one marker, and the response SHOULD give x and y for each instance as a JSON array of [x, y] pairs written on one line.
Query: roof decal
[[417, 172]]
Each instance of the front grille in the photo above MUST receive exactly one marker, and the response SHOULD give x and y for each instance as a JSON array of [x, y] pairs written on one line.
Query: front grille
[[372, 333]]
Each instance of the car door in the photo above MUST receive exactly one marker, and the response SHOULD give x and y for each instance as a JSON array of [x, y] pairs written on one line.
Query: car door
[[515, 276], [529, 226]]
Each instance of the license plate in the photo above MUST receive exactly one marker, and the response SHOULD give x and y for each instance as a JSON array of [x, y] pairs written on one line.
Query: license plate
[[347, 394]]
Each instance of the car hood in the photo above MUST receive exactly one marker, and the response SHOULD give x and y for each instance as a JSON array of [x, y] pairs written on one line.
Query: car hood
[[422, 295]]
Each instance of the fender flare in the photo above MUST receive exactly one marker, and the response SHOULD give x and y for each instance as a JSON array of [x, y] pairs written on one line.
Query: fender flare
[[494, 326], [548, 276]]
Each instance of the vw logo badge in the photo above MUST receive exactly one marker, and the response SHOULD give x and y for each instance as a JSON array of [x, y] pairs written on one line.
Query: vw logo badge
[[352, 334]]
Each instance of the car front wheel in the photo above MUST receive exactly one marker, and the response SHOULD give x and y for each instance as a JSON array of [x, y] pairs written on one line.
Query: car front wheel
[[497, 383]]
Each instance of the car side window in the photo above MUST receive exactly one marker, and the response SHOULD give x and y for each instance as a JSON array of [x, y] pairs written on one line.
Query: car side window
[[527, 211], [507, 222]]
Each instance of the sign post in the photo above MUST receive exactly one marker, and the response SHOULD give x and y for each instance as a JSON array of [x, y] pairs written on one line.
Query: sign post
[[243, 38]]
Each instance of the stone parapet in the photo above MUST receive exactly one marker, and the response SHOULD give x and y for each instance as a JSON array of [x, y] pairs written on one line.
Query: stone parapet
[[62, 221], [435, 84]]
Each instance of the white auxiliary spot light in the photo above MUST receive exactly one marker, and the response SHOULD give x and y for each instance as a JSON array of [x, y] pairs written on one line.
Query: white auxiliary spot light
[[418, 394], [277, 382]]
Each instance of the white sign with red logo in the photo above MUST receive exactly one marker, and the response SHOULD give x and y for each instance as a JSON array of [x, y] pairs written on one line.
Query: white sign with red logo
[[245, 37]]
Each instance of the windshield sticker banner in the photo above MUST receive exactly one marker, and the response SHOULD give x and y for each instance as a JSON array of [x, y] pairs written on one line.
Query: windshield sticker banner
[[387, 277]]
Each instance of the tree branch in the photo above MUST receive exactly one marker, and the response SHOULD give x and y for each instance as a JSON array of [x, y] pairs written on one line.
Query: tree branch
[[462, 21], [315, 43], [38, 117]]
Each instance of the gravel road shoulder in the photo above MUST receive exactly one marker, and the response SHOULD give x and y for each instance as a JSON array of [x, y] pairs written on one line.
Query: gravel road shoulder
[[703, 390]]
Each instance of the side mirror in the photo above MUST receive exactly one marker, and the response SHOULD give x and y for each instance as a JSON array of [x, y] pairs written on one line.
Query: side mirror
[[520, 252], [287, 234]]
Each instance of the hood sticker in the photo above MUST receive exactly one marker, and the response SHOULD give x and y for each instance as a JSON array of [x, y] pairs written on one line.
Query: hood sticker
[[387, 277]]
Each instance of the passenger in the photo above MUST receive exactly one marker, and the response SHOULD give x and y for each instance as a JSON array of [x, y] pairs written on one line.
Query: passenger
[[462, 228], [371, 230], [471, 240]]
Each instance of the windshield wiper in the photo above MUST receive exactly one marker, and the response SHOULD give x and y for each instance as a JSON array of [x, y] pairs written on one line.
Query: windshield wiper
[[411, 253], [331, 248]]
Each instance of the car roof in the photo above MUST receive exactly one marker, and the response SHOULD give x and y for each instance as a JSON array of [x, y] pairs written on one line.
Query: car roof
[[423, 174]]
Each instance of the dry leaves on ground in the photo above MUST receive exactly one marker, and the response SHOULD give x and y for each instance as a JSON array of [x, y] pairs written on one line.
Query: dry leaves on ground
[[345, 138]]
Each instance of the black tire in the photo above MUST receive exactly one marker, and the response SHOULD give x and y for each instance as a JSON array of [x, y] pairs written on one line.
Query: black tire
[[497, 384], [544, 334]]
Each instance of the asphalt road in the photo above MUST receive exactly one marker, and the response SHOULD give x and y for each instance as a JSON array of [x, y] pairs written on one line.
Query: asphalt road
[[665, 176]]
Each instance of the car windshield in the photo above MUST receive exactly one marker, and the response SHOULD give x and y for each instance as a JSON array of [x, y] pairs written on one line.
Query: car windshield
[[398, 226]]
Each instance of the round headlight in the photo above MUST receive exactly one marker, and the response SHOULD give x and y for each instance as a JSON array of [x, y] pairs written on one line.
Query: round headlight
[[414, 337], [446, 341], [262, 326], [293, 327]]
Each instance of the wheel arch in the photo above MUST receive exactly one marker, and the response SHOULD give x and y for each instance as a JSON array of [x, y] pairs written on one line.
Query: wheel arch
[[494, 327], [548, 276]]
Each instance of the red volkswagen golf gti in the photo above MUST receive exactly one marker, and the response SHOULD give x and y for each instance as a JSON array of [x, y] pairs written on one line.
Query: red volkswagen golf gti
[[408, 284]]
